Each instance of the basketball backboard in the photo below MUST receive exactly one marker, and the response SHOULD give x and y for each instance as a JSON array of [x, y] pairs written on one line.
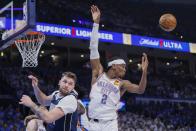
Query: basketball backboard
[[21, 27]]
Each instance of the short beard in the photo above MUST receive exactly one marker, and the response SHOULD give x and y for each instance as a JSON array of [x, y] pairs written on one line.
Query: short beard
[[63, 94]]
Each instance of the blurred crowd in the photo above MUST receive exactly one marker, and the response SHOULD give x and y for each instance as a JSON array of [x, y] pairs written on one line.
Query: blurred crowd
[[133, 122], [159, 85], [167, 85], [138, 116], [166, 115], [16, 79], [11, 118]]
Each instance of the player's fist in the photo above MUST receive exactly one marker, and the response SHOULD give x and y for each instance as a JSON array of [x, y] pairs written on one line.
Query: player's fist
[[95, 14], [34, 80]]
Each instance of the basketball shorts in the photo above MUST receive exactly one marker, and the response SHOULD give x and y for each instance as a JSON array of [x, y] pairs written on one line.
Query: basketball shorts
[[96, 125]]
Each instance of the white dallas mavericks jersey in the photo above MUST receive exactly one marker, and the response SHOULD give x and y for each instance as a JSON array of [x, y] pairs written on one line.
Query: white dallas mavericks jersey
[[104, 97]]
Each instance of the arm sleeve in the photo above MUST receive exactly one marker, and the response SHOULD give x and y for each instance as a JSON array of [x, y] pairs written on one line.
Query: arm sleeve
[[94, 54], [68, 104]]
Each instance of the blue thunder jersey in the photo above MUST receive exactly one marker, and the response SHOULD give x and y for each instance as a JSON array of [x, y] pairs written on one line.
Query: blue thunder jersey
[[104, 97], [67, 122]]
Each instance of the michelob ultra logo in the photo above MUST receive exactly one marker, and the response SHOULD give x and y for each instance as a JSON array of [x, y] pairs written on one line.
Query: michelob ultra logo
[[161, 43]]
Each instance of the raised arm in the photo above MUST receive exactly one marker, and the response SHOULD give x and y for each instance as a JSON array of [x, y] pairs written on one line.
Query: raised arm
[[40, 96], [133, 88], [96, 66]]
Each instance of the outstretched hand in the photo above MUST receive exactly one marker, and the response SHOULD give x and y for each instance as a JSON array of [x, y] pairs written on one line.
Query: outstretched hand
[[144, 62], [95, 14], [26, 101], [34, 80]]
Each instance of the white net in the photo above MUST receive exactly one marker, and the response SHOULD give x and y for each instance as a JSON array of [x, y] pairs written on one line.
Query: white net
[[29, 46]]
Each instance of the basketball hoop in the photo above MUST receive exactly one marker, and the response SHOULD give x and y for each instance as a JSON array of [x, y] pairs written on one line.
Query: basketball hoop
[[29, 46]]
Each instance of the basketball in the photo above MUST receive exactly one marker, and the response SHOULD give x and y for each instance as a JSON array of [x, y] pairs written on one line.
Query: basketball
[[167, 22]]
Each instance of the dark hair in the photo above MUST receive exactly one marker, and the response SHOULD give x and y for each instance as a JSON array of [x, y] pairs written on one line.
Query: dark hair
[[70, 75]]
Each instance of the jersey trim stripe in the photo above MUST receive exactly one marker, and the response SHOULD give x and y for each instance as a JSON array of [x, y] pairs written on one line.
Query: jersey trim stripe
[[80, 124], [117, 123], [110, 78], [98, 78]]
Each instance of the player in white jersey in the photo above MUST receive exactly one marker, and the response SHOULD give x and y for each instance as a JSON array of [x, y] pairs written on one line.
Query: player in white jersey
[[108, 87], [84, 123]]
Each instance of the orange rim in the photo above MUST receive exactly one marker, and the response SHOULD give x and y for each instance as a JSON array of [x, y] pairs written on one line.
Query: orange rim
[[34, 40]]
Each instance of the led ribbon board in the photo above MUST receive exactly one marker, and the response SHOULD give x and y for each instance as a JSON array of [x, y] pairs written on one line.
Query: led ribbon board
[[80, 33], [160, 43], [119, 38]]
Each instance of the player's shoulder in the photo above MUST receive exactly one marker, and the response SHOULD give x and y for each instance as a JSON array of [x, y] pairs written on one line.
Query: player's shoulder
[[81, 103], [55, 92], [125, 83], [74, 93], [71, 98]]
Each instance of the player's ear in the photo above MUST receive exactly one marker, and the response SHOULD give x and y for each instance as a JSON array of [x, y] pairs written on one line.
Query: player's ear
[[113, 66]]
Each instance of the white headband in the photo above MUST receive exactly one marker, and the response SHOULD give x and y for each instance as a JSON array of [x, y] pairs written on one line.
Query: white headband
[[118, 61]]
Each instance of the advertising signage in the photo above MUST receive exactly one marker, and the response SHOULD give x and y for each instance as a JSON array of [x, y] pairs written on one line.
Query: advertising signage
[[105, 36], [160, 43], [75, 32]]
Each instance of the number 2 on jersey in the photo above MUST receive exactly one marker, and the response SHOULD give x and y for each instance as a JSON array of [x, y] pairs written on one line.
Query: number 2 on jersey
[[104, 99]]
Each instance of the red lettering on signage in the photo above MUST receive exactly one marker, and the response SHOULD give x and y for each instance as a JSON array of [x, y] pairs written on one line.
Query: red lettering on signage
[[161, 43], [73, 32]]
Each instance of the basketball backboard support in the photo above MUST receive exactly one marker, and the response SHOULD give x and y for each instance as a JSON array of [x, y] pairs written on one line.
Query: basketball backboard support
[[25, 26]]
